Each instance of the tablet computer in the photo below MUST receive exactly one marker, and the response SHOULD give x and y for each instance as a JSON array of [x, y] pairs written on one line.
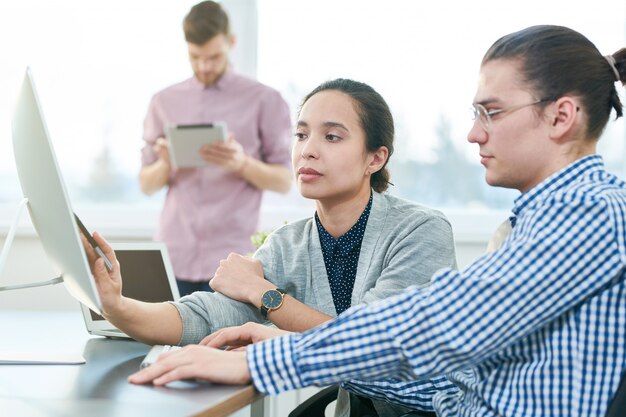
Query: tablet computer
[[186, 140]]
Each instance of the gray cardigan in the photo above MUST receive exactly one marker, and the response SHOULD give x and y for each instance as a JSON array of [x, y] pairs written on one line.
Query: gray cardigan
[[404, 244]]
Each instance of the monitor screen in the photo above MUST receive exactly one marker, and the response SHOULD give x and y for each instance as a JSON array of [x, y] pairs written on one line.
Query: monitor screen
[[48, 203]]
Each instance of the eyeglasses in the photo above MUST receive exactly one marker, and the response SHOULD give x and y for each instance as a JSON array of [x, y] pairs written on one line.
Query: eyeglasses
[[484, 116]]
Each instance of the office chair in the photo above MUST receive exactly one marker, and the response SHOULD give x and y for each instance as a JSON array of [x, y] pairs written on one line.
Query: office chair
[[316, 405], [359, 406]]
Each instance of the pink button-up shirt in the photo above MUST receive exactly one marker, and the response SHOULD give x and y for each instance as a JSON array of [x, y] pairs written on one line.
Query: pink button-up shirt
[[208, 211]]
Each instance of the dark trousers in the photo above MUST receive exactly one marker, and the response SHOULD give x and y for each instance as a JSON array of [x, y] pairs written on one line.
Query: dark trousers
[[363, 407]]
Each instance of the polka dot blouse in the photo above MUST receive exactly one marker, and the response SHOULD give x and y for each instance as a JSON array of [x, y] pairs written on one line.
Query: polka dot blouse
[[341, 257]]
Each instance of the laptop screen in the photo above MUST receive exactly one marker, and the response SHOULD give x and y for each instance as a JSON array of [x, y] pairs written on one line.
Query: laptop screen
[[144, 276]]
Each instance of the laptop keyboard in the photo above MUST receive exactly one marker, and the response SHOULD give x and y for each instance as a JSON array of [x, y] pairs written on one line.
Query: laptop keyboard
[[154, 354]]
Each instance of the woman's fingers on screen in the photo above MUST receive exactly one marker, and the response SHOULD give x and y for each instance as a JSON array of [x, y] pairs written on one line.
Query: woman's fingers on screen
[[102, 242], [106, 249], [91, 254]]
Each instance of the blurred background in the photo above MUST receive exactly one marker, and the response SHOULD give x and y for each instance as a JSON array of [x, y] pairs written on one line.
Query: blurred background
[[97, 64]]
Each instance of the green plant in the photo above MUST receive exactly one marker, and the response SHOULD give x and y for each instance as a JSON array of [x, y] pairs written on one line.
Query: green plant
[[258, 238]]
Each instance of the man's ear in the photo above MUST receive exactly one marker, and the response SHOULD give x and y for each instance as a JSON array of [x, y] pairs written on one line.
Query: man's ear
[[378, 161], [564, 117], [232, 41]]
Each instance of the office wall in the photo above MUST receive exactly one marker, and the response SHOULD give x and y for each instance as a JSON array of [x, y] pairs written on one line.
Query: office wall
[[27, 262]]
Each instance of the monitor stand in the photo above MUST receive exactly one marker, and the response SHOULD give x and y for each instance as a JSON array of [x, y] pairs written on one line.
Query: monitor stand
[[5, 254], [22, 357]]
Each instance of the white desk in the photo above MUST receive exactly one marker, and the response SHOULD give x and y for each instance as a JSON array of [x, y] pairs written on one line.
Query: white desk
[[99, 387]]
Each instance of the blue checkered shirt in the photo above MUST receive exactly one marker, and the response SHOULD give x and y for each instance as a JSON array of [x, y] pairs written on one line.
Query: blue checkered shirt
[[536, 328]]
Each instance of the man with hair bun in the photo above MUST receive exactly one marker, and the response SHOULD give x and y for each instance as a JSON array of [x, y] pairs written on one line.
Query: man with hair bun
[[536, 327]]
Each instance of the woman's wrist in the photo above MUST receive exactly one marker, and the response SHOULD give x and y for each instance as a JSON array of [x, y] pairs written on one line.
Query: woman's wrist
[[259, 290], [117, 309]]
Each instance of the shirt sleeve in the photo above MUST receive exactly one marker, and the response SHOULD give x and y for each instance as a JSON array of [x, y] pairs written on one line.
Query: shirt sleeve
[[559, 255], [275, 130], [421, 248], [415, 394], [203, 313], [152, 130]]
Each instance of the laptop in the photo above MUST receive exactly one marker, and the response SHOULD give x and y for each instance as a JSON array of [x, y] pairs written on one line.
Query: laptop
[[147, 275]]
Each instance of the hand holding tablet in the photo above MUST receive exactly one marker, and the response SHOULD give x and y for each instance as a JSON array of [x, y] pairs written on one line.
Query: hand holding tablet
[[186, 140]]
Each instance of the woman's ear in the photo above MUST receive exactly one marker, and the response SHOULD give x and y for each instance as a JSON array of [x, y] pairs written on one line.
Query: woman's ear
[[378, 161], [564, 118]]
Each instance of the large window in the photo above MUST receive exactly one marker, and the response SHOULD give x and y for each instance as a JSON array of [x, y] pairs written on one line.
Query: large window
[[96, 66], [423, 57]]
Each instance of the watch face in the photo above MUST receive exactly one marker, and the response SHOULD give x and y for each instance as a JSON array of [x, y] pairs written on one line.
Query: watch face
[[272, 299]]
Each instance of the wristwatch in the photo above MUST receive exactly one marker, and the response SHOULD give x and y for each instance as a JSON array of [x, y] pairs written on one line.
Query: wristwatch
[[271, 300]]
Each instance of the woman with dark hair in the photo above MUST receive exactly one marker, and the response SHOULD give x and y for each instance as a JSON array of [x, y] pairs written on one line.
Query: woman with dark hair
[[362, 245], [344, 137], [534, 328]]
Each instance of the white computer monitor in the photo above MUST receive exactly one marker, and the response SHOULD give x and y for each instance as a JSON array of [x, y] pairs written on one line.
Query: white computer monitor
[[48, 203]]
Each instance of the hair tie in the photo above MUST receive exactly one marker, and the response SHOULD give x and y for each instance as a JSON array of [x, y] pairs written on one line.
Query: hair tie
[[611, 60]]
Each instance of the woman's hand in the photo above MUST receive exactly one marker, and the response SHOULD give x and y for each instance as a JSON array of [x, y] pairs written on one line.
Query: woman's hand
[[241, 278], [195, 361], [237, 337], [108, 283]]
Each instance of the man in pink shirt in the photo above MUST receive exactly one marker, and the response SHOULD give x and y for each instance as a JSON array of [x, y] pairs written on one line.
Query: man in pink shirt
[[213, 210]]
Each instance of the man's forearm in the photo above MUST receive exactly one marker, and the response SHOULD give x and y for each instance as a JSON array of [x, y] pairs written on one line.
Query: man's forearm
[[154, 177], [266, 176]]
